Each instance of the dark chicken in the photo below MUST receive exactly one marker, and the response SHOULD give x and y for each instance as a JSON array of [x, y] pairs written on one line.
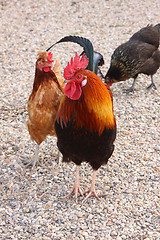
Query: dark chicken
[[139, 55], [98, 60], [85, 123], [44, 100]]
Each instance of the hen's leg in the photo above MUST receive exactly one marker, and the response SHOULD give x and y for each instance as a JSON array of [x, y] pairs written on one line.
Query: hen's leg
[[59, 158], [35, 157], [76, 187], [92, 191], [131, 89], [152, 84]]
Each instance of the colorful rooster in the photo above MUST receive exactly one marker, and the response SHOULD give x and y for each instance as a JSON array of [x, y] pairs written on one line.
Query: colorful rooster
[[85, 124]]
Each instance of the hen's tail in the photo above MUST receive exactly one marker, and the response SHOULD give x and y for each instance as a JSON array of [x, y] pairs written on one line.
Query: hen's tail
[[157, 28], [148, 35]]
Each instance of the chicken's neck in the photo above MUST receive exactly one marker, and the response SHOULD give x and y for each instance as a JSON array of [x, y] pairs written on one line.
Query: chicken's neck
[[44, 77]]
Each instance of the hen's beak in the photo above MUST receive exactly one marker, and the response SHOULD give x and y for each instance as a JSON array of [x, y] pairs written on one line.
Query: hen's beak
[[109, 81], [50, 64]]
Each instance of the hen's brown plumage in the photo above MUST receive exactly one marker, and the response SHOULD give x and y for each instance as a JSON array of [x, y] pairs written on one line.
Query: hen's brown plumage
[[44, 100], [139, 55]]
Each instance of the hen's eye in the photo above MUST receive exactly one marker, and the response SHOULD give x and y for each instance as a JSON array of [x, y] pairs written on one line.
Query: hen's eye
[[79, 76]]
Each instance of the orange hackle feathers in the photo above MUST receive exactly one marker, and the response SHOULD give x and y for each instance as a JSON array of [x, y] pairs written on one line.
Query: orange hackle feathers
[[93, 110]]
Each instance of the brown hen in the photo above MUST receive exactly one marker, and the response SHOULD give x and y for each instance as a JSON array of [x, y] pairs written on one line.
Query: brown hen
[[44, 100]]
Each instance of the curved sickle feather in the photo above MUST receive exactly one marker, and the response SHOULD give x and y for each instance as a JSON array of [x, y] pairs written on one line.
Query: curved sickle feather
[[84, 42]]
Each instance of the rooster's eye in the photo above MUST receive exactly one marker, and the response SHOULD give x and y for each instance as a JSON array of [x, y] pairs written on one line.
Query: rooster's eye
[[79, 76]]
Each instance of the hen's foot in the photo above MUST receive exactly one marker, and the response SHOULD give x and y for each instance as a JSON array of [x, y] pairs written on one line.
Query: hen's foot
[[152, 85], [34, 161], [131, 89]]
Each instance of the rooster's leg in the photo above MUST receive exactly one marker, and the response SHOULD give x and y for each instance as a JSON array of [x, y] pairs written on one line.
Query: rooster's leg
[[76, 187], [35, 157], [92, 191], [152, 84]]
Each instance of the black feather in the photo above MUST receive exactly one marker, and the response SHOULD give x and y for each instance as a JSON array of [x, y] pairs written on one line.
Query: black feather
[[84, 42]]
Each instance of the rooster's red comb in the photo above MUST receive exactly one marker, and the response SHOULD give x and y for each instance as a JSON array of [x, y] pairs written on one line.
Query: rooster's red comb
[[77, 63]]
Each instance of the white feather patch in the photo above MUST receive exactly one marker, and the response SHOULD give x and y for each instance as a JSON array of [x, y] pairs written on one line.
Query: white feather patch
[[84, 82]]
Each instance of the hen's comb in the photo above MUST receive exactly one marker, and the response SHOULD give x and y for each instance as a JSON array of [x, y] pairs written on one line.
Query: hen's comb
[[76, 63], [50, 57]]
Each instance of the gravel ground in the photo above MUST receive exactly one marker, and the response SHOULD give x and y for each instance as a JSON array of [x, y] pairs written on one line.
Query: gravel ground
[[32, 203]]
